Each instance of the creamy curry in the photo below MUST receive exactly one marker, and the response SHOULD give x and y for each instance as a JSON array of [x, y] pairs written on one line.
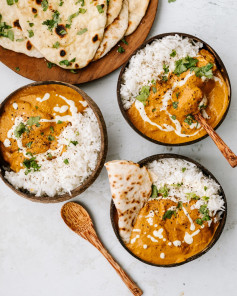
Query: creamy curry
[[166, 114], [44, 119], [166, 232]]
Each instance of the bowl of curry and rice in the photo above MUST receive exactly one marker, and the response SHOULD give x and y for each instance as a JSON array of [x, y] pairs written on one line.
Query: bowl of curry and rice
[[166, 82], [53, 141], [167, 209]]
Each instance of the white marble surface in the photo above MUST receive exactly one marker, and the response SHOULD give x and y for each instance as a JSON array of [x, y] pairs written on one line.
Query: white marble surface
[[40, 256]]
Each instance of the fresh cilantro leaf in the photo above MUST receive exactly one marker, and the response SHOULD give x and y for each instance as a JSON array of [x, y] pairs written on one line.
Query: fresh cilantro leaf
[[173, 53], [50, 65], [28, 145], [168, 214], [51, 138], [175, 105], [31, 33], [144, 94], [184, 64], [19, 130], [33, 120], [45, 5], [205, 71], [82, 31], [154, 192], [74, 142], [66, 161], [121, 49], [164, 191], [184, 169], [189, 119], [100, 8], [124, 41], [56, 45], [173, 117]]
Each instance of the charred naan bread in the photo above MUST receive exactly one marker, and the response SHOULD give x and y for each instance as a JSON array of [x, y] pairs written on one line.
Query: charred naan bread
[[137, 10], [114, 32], [114, 9], [11, 34], [67, 33], [130, 186]]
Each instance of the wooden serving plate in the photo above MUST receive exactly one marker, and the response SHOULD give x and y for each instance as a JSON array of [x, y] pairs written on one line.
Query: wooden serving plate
[[147, 160], [101, 156], [37, 70]]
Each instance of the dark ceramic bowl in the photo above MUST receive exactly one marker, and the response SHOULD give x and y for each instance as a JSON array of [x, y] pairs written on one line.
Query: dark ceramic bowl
[[145, 161], [101, 157], [220, 66]]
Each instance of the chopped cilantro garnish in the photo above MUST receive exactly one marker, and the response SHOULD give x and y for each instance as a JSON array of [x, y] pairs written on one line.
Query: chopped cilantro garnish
[[50, 65], [166, 69], [154, 192], [184, 169], [173, 53], [31, 25], [154, 89], [5, 30], [164, 78], [19, 130], [51, 138], [144, 94], [45, 5], [53, 22], [67, 63], [31, 33], [17, 69], [74, 142], [59, 121], [164, 191], [124, 41], [33, 120], [82, 31], [192, 195], [28, 145], [100, 8], [56, 45], [184, 64], [121, 49], [189, 119], [52, 129], [205, 188], [66, 161], [180, 205], [175, 105], [205, 71], [31, 164], [199, 221], [177, 95], [173, 117], [168, 214]]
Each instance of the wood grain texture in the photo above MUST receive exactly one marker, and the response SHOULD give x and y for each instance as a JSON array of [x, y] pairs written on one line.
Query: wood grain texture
[[78, 219], [101, 157], [224, 149], [37, 70]]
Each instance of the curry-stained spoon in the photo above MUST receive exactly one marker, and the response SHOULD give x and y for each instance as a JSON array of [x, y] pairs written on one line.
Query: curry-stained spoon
[[224, 149], [78, 219]]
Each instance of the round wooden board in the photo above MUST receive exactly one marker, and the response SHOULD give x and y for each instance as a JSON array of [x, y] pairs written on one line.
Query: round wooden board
[[37, 70]]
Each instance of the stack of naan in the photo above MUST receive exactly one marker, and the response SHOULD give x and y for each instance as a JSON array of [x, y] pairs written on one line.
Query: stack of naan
[[68, 33]]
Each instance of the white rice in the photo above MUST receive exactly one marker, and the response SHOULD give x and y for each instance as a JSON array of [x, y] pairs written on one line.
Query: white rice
[[56, 177], [169, 172], [148, 63]]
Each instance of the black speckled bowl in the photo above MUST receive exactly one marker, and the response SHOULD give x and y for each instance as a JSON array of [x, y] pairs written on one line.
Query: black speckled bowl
[[205, 46], [145, 161]]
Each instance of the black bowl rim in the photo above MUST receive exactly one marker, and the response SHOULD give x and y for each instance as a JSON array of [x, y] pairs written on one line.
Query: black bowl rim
[[218, 230], [219, 62], [101, 157]]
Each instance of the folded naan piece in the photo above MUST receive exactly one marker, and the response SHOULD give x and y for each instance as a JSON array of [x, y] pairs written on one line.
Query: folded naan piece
[[130, 187], [114, 32], [67, 33], [137, 10], [11, 34], [114, 8]]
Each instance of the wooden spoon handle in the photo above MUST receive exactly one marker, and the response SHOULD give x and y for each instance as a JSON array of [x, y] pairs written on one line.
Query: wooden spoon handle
[[225, 150], [94, 240]]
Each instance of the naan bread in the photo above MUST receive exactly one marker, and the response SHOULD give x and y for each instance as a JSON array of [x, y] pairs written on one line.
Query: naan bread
[[15, 39], [114, 9], [130, 186], [66, 32], [114, 32], [137, 10]]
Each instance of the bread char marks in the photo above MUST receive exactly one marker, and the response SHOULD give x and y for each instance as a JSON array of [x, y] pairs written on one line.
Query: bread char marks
[[130, 187]]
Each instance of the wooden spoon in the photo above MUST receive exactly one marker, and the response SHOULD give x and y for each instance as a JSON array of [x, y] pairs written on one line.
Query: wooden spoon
[[225, 150], [78, 219]]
